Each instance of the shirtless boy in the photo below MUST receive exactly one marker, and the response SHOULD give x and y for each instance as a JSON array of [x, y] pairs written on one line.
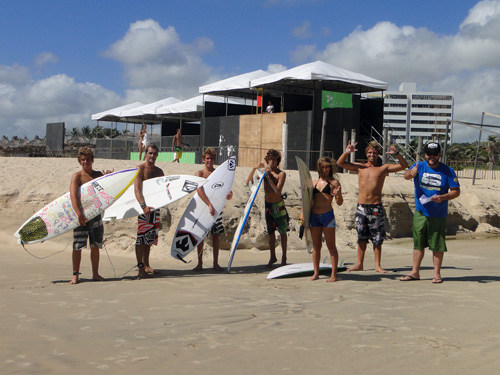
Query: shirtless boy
[[148, 224], [177, 146], [217, 228], [276, 214], [92, 229], [370, 214]]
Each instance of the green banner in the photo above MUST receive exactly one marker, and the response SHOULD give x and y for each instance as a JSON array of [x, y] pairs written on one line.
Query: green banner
[[331, 99]]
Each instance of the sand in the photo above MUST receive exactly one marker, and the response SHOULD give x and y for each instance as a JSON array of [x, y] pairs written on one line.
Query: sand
[[182, 322]]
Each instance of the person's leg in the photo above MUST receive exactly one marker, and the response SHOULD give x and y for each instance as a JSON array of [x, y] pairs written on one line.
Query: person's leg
[[316, 233], [76, 258], [94, 260], [377, 251], [361, 257], [199, 266], [418, 255], [145, 260], [284, 245], [332, 248], [139, 255], [215, 243], [437, 260], [272, 250]]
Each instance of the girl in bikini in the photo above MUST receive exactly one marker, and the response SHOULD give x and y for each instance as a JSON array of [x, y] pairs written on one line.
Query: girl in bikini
[[322, 220]]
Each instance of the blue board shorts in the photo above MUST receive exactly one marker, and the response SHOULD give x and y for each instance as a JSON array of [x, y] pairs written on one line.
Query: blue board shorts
[[324, 220]]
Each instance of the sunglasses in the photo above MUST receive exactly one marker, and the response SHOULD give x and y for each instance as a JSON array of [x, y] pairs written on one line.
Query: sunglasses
[[432, 153]]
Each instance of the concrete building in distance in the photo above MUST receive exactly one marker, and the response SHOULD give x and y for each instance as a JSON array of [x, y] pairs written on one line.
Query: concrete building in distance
[[409, 114]]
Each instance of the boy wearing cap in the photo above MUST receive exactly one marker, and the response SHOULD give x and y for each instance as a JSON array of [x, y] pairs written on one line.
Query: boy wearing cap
[[435, 184]]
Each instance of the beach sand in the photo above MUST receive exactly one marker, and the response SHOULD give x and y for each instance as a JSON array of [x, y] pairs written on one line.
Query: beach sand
[[183, 322]]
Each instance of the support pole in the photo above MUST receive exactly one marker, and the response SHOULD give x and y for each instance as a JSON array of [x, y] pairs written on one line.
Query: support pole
[[477, 150], [323, 136], [284, 140]]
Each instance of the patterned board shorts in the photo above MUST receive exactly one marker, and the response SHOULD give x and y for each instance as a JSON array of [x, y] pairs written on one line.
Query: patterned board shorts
[[370, 223], [325, 220], [178, 152], [148, 227], [93, 230], [217, 228], [276, 217]]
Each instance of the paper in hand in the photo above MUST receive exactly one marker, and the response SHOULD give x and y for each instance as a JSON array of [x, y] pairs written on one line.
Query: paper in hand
[[424, 199]]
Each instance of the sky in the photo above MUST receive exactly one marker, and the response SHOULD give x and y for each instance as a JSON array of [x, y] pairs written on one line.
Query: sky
[[62, 61]]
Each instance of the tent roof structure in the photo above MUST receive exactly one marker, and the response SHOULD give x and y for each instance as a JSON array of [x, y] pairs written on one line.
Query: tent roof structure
[[303, 78], [115, 113], [241, 83]]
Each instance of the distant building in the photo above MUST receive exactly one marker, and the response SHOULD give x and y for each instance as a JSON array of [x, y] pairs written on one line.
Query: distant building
[[411, 114]]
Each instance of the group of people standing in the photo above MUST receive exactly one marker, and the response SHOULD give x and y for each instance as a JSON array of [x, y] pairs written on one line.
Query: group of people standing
[[435, 184]]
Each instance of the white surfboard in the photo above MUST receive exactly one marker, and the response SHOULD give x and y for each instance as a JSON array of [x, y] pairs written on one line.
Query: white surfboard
[[158, 192], [196, 222], [58, 217], [306, 187], [302, 270], [254, 188]]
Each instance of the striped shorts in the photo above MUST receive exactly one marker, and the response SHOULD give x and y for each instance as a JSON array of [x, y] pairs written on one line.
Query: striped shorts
[[93, 230]]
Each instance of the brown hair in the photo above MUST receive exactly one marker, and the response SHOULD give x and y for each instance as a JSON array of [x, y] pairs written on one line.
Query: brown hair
[[328, 161], [210, 151], [273, 154], [375, 145], [85, 151], [155, 147]]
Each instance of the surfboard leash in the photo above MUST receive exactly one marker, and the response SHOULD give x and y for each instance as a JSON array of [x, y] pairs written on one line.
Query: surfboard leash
[[45, 257]]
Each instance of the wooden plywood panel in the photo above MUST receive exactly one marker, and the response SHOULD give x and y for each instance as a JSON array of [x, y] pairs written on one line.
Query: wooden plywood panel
[[259, 133]]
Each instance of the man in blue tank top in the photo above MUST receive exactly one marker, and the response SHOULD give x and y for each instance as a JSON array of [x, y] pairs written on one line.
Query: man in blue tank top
[[435, 184]]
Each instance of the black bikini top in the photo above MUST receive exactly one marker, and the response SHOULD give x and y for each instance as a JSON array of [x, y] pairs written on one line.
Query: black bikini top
[[326, 190]]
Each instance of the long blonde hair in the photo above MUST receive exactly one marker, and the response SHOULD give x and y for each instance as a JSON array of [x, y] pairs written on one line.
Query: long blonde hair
[[333, 166]]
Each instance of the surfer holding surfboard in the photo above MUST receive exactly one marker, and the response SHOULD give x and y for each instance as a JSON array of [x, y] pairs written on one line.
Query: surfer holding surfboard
[[217, 229], [148, 224], [92, 229], [276, 214]]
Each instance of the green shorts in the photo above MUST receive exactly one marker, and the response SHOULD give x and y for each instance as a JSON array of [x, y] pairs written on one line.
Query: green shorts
[[429, 232]]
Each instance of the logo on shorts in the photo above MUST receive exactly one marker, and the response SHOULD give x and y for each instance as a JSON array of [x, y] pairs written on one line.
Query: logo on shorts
[[231, 165], [217, 185]]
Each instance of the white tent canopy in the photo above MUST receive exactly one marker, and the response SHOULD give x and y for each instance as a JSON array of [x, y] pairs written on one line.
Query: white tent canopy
[[115, 113], [239, 82], [194, 104], [321, 71], [149, 108]]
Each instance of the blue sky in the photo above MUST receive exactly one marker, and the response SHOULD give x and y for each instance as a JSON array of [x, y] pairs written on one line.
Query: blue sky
[[65, 60]]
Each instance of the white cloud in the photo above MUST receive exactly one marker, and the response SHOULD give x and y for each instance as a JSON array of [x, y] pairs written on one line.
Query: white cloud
[[467, 63], [45, 58], [26, 105], [157, 62], [276, 68], [302, 31]]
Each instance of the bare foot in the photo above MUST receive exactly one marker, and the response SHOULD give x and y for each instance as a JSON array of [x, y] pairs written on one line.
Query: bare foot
[[198, 268], [314, 277], [148, 269], [332, 280], [74, 280], [380, 269], [98, 278], [355, 268], [143, 274], [218, 268], [271, 262]]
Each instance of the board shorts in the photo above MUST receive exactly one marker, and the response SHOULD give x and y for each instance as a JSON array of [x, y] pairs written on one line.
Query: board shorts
[[276, 217], [148, 227], [370, 223], [429, 232], [324, 220], [217, 228], [178, 152], [93, 230]]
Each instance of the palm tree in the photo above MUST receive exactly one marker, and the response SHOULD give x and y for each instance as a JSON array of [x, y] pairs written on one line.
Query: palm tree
[[98, 132], [87, 132], [73, 133]]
